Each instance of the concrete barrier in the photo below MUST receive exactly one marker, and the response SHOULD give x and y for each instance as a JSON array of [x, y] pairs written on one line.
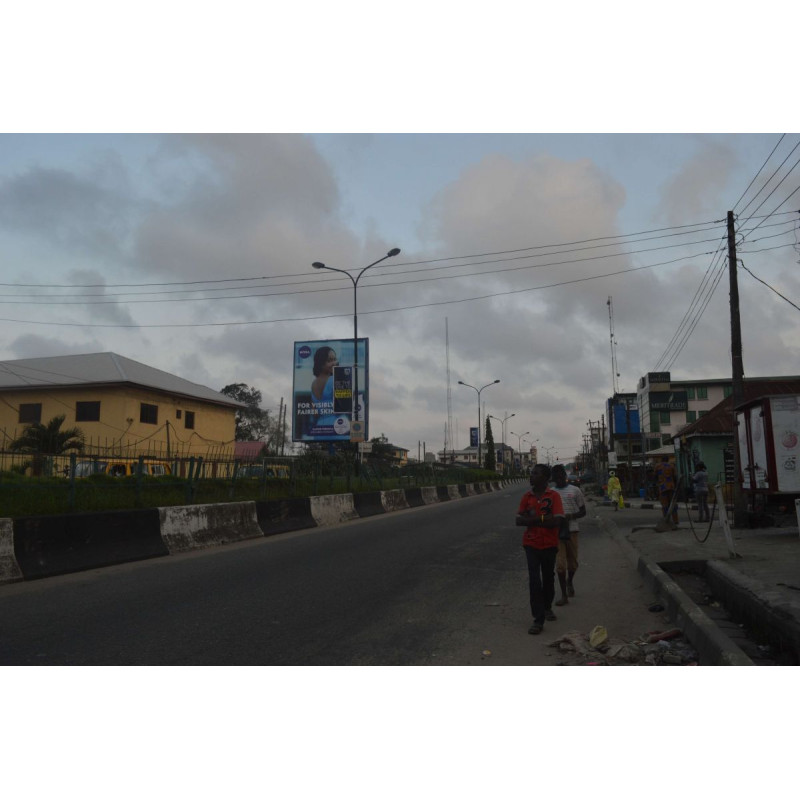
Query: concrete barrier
[[394, 500], [9, 569], [431, 494], [55, 545], [453, 493], [414, 497], [443, 493], [331, 509], [207, 525], [283, 516], [367, 504]]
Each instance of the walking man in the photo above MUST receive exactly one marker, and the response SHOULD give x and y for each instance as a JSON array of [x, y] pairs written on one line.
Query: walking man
[[542, 513], [574, 508], [666, 485]]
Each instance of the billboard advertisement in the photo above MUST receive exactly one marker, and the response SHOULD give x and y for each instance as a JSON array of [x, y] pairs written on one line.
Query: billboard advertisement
[[473, 437], [322, 393]]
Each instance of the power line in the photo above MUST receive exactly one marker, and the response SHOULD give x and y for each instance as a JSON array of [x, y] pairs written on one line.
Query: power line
[[770, 287], [349, 314], [756, 175]]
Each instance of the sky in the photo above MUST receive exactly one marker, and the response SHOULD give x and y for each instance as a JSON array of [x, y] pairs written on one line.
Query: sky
[[193, 252]]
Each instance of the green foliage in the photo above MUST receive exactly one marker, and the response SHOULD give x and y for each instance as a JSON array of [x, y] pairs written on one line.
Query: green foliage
[[47, 440], [489, 461]]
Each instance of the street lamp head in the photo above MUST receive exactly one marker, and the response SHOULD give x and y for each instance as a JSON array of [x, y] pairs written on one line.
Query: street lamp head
[[497, 381], [318, 265], [395, 251]]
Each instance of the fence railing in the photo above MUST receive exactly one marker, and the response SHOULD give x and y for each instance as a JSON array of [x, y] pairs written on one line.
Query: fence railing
[[51, 484]]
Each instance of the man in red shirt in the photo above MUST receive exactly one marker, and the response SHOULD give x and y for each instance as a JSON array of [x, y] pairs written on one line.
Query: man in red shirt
[[541, 512]]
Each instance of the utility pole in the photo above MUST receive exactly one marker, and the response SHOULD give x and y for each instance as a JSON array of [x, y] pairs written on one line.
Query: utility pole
[[737, 365]]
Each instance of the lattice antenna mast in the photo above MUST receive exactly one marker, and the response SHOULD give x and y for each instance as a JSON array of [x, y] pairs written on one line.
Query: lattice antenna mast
[[614, 371], [448, 431]]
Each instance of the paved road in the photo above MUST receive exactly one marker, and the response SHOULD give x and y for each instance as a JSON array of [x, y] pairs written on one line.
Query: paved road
[[435, 585]]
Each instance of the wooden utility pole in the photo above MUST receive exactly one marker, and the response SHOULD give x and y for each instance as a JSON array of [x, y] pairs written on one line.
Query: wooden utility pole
[[737, 365]]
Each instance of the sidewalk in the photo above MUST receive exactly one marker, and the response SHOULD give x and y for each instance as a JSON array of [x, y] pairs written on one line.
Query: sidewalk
[[760, 586]]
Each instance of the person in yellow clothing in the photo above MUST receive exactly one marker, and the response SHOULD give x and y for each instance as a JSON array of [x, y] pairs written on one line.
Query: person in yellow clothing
[[615, 491]]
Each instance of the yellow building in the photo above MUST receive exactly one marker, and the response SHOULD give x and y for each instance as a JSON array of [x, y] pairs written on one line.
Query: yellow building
[[123, 407]]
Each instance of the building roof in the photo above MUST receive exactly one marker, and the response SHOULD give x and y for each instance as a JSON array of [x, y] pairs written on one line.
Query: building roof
[[101, 369], [719, 420], [248, 450]]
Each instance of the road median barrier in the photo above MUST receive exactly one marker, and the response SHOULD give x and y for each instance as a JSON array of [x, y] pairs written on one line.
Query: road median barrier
[[414, 497], [394, 500], [9, 569], [431, 494], [207, 525], [331, 509], [367, 504], [284, 516], [55, 545]]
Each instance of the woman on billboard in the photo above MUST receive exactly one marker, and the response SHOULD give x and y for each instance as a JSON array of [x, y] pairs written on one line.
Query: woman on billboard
[[322, 385]]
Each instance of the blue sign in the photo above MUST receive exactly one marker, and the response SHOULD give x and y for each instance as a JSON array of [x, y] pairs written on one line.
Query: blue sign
[[473, 437]]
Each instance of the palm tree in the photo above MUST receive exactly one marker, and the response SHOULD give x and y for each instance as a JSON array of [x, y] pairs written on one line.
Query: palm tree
[[50, 439]]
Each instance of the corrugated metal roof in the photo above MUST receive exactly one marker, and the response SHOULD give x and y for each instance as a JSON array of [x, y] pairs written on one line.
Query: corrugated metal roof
[[96, 369]]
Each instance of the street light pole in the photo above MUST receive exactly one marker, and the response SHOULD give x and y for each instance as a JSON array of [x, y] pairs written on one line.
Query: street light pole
[[519, 444], [479, 412], [354, 415], [503, 427]]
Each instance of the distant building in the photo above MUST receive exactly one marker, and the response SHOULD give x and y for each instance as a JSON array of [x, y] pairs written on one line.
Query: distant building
[[122, 406]]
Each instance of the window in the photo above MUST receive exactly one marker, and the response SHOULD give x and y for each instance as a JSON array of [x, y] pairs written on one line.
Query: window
[[702, 413], [702, 392], [655, 425], [727, 391], [30, 412], [148, 413], [691, 416], [653, 444], [665, 439], [178, 414], [88, 411], [664, 415], [690, 392], [189, 420]]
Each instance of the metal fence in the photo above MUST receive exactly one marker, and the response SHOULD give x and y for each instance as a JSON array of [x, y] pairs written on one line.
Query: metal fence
[[51, 484]]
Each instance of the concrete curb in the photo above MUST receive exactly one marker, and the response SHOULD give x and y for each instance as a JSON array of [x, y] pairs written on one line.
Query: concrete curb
[[38, 547], [712, 645], [749, 599]]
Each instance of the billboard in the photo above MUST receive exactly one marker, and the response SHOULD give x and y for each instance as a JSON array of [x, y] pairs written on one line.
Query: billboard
[[322, 391], [473, 437]]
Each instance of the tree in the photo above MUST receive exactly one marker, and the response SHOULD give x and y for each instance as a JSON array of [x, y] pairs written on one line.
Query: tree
[[50, 439], [489, 462], [252, 423]]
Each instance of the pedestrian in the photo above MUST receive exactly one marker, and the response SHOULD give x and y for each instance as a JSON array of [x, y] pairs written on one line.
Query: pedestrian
[[574, 508], [700, 481], [541, 512], [666, 485], [615, 491]]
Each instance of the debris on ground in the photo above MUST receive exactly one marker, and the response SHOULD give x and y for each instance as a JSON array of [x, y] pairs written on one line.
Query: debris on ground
[[596, 648]]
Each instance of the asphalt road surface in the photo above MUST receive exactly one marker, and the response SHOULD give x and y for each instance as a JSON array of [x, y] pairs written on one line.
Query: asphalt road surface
[[442, 584]]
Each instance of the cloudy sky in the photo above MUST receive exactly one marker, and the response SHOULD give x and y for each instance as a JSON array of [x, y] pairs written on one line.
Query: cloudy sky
[[193, 253]]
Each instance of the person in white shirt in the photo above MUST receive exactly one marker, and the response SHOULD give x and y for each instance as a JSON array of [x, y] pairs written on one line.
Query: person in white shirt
[[574, 508]]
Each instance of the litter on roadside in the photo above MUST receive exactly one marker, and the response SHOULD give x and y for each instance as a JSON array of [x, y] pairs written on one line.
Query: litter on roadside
[[596, 648]]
